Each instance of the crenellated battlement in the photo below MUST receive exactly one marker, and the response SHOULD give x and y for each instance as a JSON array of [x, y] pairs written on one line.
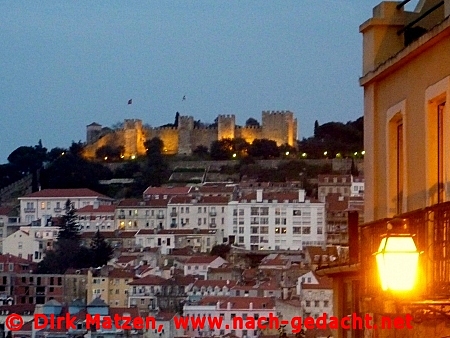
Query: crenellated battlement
[[279, 126]]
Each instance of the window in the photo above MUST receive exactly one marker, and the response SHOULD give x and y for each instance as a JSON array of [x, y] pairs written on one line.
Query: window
[[187, 210], [241, 239], [316, 303], [325, 303], [308, 303], [296, 230], [11, 267], [319, 230], [42, 205], [306, 230]]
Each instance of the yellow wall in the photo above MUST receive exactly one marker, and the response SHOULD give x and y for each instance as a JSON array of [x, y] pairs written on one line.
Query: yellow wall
[[408, 83]]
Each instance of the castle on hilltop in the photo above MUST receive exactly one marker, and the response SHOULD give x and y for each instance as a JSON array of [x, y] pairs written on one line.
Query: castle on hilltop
[[279, 126]]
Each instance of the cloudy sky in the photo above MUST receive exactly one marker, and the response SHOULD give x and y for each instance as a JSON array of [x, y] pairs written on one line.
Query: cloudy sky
[[65, 64]]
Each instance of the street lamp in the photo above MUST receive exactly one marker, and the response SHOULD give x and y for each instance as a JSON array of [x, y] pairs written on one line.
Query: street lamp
[[397, 260]]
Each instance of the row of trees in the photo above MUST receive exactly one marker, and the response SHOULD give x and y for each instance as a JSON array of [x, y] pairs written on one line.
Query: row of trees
[[68, 251]]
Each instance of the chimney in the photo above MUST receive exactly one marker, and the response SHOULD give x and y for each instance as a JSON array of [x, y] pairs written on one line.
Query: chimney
[[250, 306], [259, 195], [229, 306], [301, 196]]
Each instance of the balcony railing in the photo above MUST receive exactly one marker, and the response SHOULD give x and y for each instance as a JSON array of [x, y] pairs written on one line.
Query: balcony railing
[[173, 225], [431, 229], [121, 217], [160, 216], [212, 213], [57, 209], [212, 225], [29, 210], [173, 214]]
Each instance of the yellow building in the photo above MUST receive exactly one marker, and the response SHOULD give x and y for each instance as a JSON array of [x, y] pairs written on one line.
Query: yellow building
[[406, 80], [111, 285]]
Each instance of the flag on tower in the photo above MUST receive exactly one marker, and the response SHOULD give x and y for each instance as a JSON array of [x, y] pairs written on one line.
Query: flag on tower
[[130, 101]]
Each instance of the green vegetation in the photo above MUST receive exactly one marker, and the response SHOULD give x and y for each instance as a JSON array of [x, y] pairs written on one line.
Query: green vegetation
[[68, 251]]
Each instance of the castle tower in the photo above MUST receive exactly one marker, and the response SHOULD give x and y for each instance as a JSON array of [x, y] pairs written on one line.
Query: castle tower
[[185, 128], [133, 138], [92, 132], [280, 126], [226, 126]]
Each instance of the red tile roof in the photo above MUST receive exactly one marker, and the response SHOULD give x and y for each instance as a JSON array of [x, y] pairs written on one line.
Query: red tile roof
[[149, 280], [100, 209], [213, 283], [259, 303], [138, 203], [5, 210], [8, 258], [176, 232], [120, 273], [201, 259], [65, 193], [170, 191]]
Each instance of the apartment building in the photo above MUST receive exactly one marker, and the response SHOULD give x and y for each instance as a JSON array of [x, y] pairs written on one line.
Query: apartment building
[[111, 285], [343, 185], [230, 308], [201, 240], [199, 265], [274, 221], [315, 294], [48, 203], [135, 214], [96, 217], [9, 223]]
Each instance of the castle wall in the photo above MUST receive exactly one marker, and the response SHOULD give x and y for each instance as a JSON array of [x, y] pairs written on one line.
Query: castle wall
[[115, 139], [203, 137], [168, 135], [249, 133]]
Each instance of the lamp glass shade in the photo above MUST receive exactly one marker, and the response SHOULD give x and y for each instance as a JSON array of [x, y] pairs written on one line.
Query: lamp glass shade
[[397, 260]]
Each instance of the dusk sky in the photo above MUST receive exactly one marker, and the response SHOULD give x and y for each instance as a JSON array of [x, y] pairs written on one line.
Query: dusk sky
[[65, 64]]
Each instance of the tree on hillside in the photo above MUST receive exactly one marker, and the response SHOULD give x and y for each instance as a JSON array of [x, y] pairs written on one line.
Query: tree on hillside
[[27, 159], [264, 148], [109, 152], [221, 250], [155, 172], [101, 250], [201, 151], [251, 122]]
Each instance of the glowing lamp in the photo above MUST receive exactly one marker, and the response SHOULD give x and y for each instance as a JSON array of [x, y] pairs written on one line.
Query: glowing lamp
[[397, 260]]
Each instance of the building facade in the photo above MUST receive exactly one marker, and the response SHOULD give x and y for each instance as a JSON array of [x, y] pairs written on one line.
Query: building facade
[[276, 221]]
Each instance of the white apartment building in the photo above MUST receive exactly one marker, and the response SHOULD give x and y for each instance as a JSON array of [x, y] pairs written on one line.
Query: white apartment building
[[134, 214], [199, 265], [31, 242], [316, 295], [276, 221], [202, 212], [48, 203], [230, 308], [201, 240], [96, 217]]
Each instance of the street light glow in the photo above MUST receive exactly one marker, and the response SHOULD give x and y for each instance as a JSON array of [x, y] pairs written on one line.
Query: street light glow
[[397, 260]]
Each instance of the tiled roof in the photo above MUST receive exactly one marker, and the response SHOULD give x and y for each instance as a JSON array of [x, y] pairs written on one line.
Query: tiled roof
[[120, 273], [132, 311], [214, 200], [136, 203], [20, 309], [201, 259], [5, 210], [65, 193], [149, 280], [259, 303], [336, 202], [109, 234], [176, 232], [8, 258], [100, 209], [213, 283], [324, 283], [167, 190]]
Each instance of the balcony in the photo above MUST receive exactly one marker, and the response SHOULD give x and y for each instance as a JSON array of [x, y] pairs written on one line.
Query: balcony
[[160, 216], [212, 213], [29, 210], [212, 225], [173, 214], [431, 229], [58, 210], [173, 225], [121, 217]]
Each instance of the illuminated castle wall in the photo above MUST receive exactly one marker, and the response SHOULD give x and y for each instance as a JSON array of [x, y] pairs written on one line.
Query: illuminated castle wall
[[279, 126]]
